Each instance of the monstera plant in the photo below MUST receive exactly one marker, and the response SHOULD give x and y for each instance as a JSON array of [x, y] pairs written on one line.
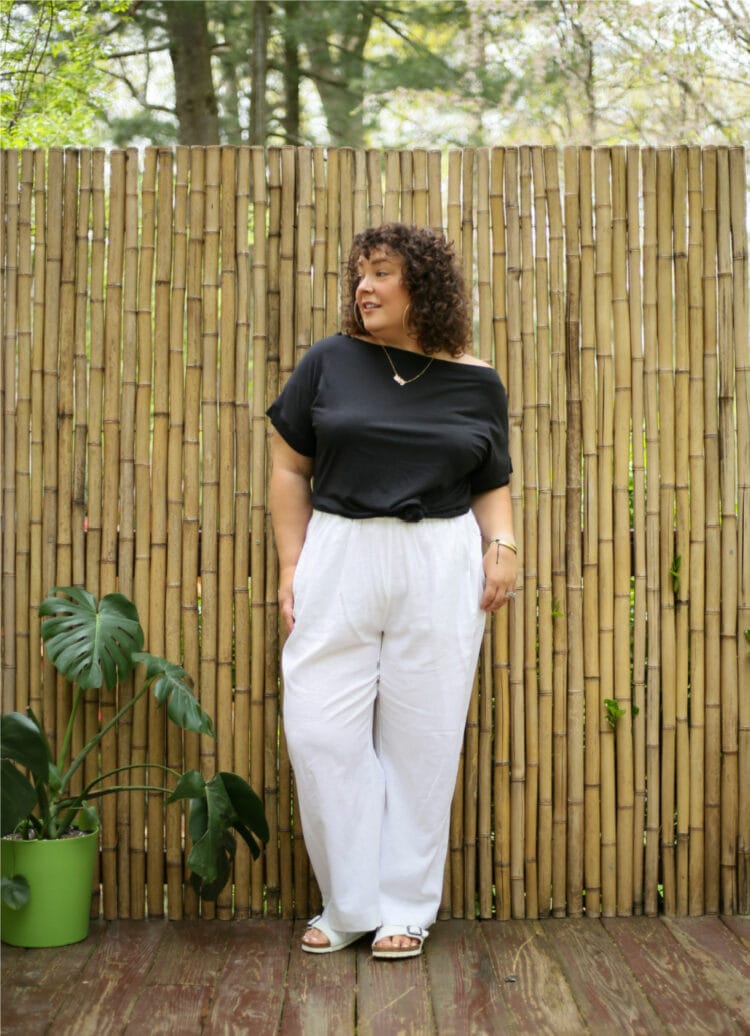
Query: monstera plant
[[95, 645]]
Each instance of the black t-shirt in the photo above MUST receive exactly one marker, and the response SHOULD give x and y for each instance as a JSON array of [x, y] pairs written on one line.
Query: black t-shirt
[[380, 449]]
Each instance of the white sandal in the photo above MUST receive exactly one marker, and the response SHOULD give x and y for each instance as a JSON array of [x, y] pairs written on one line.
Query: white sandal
[[411, 931], [336, 940]]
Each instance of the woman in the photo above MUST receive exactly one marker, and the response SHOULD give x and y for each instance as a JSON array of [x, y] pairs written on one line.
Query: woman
[[390, 467]]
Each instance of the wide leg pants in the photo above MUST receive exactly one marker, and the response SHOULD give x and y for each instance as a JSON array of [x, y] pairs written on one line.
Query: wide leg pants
[[378, 673]]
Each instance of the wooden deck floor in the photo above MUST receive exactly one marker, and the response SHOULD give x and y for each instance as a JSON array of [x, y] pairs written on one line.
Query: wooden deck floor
[[624, 975]]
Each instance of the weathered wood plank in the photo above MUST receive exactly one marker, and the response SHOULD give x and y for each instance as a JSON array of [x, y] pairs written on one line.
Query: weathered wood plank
[[393, 996], [724, 959], [191, 953], [250, 989], [537, 997], [129, 946], [321, 991], [740, 926], [673, 977], [177, 1010], [466, 993], [603, 986]]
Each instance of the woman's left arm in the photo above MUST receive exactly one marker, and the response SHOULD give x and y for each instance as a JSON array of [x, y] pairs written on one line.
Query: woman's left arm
[[494, 514]]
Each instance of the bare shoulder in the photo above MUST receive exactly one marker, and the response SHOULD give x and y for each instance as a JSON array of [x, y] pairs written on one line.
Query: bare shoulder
[[473, 361]]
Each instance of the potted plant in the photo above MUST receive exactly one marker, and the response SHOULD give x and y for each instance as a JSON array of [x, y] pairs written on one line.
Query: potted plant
[[94, 645]]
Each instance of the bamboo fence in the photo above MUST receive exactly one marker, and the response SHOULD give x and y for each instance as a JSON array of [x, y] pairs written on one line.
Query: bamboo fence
[[154, 304]]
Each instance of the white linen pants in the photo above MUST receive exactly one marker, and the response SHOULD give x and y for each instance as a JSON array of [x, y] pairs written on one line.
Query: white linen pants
[[378, 673]]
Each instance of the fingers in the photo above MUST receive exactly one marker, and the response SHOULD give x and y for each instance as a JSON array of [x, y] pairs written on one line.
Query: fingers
[[496, 597]]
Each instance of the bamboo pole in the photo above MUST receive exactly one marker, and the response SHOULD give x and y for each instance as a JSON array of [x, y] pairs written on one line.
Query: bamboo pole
[[499, 658], [375, 189], [558, 405], [406, 176], [484, 747], [64, 563], [573, 600], [622, 541], [332, 243], [175, 815], [359, 198], [265, 634], [697, 579], [243, 501], [546, 536], [653, 684], [435, 184], [605, 546], [191, 461], [530, 537], [737, 201], [682, 539], [639, 525], [110, 500], [668, 562], [592, 763], [320, 219], [392, 192], [126, 539], [729, 552], [7, 688], [421, 191], [16, 379], [712, 758], [209, 524], [516, 617]]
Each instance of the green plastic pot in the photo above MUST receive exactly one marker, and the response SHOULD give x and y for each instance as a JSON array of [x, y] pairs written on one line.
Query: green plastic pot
[[59, 873]]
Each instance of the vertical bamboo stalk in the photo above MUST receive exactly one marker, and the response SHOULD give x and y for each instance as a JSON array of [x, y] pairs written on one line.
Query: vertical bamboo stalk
[[639, 525], [713, 588], [345, 207], [320, 199], [622, 540], [653, 684], [605, 548], [499, 629], [729, 552], [406, 165], [737, 201], [392, 194], [592, 706], [573, 600], [243, 501], [209, 540], [110, 497], [516, 618], [530, 537], [375, 189], [175, 814], [126, 540], [484, 748], [65, 387], [95, 466], [421, 211], [51, 388], [558, 403], [191, 462], [332, 242], [668, 560], [261, 614], [10, 404], [360, 195], [697, 579], [435, 184], [16, 684], [142, 467], [682, 539], [545, 535], [80, 387]]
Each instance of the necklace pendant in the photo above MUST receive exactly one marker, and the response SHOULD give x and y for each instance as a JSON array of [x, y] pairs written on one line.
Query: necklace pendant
[[399, 380]]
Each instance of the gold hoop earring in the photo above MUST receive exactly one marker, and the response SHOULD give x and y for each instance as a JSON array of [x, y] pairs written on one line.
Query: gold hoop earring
[[403, 321], [358, 317]]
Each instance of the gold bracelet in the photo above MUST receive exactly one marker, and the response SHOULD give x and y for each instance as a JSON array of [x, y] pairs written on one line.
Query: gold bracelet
[[508, 544]]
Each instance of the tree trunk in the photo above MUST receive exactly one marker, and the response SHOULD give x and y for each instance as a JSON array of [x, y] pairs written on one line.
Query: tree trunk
[[258, 72], [190, 51], [291, 75]]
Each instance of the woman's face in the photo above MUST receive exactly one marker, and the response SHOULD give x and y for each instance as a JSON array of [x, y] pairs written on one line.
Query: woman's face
[[382, 297]]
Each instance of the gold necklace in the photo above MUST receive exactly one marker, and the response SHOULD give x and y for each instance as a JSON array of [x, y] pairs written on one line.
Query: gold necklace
[[397, 377]]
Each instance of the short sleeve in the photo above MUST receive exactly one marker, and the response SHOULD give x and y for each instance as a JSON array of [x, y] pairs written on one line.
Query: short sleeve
[[291, 411], [496, 468]]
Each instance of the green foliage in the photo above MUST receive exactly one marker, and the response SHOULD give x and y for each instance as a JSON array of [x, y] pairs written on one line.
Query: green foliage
[[613, 712], [675, 573], [96, 645], [53, 78]]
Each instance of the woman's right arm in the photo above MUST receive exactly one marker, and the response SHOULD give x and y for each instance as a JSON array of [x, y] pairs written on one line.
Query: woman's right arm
[[290, 501]]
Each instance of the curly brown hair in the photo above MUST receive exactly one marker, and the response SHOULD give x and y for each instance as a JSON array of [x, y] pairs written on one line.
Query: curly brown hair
[[439, 313]]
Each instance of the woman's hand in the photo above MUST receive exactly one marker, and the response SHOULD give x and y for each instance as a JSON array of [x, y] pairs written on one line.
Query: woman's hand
[[286, 596], [500, 571]]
